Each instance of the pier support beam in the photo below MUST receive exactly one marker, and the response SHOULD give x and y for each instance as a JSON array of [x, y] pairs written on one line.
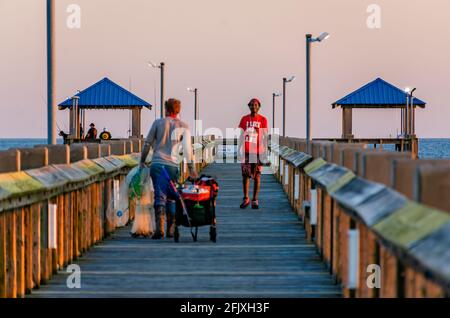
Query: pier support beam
[[347, 122], [136, 122]]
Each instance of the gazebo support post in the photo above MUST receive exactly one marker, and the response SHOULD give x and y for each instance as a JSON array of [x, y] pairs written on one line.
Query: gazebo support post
[[347, 123], [136, 122], [74, 121]]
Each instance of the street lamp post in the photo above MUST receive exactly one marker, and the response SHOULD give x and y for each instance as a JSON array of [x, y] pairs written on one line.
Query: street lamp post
[[195, 91], [274, 95], [161, 67], [51, 107], [309, 40], [411, 114], [285, 80]]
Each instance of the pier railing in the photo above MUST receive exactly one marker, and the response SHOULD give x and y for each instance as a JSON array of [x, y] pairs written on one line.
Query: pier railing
[[380, 220], [58, 201]]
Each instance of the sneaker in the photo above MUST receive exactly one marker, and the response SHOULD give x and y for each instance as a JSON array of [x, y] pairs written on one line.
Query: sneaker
[[245, 203], [255, 204]]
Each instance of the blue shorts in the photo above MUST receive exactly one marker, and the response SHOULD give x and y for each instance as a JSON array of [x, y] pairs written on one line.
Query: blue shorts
[[163, 193]]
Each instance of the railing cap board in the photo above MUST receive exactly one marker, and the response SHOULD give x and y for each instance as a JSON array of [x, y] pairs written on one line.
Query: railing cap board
[[433, 186], [301, 161], [356, 192], [410, 224], [298, 159], [292, 155], [405, 170], [128, 160], [332, 176], [287, 152], [15, 184], [315, 164], [433, 255], [116, 161], [73, 173], [90, 167], [379, 206], [49, 176], [106, 165]]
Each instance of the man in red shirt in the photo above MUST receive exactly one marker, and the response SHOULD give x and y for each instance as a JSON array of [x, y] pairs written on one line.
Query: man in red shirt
[[253, 140]]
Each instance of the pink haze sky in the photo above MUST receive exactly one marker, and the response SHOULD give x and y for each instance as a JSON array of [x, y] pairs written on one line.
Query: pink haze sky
[[231, 50]]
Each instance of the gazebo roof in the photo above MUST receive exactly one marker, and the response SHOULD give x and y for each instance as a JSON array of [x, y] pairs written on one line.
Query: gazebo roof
[[377, 94], [106, 94]]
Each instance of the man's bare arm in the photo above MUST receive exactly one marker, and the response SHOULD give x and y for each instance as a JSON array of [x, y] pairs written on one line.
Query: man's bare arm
[[144, 154]]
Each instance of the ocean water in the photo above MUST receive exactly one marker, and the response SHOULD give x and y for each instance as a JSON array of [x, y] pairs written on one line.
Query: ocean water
[[428, 148], [23, 142]]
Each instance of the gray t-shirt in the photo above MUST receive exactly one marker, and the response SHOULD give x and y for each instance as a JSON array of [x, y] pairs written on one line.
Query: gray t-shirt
[[168, 136]]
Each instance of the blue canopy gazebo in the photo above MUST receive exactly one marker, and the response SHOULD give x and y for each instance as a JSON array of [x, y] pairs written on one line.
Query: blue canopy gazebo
[[104, 95], [374, 95]]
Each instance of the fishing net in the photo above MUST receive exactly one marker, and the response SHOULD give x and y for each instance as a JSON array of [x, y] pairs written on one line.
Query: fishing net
[[135, 193]]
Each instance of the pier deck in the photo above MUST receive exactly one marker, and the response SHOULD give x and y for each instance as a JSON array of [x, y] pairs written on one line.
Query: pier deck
[[259, 253]]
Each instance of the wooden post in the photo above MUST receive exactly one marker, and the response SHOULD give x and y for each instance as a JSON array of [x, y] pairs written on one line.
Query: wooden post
[[136, 122], [3, 273], [347, 122], [20, 250], [36, 220], [11, 255]]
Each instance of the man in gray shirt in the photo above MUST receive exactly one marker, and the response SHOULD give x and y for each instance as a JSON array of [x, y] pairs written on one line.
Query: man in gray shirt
[[166, 137]]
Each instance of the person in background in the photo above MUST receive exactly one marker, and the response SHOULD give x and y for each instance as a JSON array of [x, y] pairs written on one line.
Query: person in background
[[92, 132], [252, 145], [166, 136]]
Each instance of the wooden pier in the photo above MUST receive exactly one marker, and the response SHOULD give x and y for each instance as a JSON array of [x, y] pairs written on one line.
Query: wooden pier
[[330, 214], [259, 253]]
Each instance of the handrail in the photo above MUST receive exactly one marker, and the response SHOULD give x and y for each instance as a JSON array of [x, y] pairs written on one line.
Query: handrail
[[51, 215], [363, 228]]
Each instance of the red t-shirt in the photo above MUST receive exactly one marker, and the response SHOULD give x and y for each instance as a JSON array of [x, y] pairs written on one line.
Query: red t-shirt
[[252, 127]]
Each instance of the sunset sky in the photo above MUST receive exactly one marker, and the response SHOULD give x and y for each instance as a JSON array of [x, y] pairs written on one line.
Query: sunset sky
[[231, 51]]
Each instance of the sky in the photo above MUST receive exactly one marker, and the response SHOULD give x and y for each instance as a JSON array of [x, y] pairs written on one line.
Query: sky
[[231, 51]]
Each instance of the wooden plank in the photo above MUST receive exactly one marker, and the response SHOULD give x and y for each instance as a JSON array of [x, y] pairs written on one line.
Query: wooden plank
[[61, 237], [45, 256], [3, 273], [389, 274], [319, 224], [20, 250], [28, 221], [336, 252], [76, 201], [36, 219], [343, 246], [11, 255]]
